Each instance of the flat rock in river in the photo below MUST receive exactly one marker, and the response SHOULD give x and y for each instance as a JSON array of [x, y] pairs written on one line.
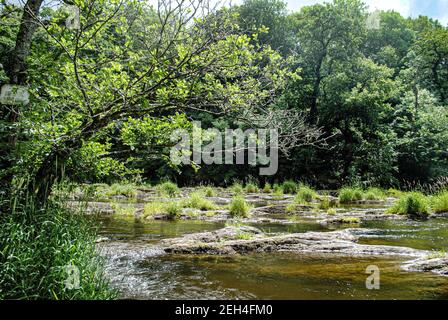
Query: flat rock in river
[[234, 240]]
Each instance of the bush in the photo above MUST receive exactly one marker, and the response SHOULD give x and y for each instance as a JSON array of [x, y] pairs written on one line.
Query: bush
[[276, 188], [39, 249], [348, 195], [197, 201], [168, 188], [239, 207], [439, 202], [290, 187], [117, 189], [251, 188], [305, 195], [375, 194], [413, 204]]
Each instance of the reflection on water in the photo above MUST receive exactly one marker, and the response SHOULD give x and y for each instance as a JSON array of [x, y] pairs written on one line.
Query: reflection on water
[[141, 271]]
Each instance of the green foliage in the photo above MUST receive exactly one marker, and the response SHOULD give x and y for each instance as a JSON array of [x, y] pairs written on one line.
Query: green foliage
[[196, 200], [169, 189], [37, 248], [174, 210], [411, 204], [305, 195], [251, 188], [290, 187], [375, 194], [237, 189], [439, 202], [239, 208], [267, 188], [208, 191], [123, 210], [119, 189], [154, 208], [349, 194], [331, 211]]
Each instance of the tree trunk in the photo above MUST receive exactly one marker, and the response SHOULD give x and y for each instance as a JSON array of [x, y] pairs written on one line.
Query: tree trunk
[[16, 70]]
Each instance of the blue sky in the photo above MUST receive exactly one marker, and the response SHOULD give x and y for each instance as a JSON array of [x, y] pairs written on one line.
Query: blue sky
[[437, 9]]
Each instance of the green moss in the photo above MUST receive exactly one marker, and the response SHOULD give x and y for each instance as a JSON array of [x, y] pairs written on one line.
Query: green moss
[[414, 204], [239, 207]]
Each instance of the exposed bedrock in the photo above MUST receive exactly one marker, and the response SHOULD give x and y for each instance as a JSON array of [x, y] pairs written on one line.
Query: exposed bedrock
[[234, 240]]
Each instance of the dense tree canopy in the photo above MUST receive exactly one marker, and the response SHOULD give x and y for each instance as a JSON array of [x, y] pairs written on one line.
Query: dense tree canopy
[[105, 97]]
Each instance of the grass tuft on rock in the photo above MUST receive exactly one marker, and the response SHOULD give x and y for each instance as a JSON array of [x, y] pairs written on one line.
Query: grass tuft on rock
[[197, 201], [349, 195], [168, 188], [290, 187], [411, 204], [305, 195], [439, 202], [239, 208]]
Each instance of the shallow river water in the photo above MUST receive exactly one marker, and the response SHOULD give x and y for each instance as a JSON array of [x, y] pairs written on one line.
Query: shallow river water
[[141, 271]]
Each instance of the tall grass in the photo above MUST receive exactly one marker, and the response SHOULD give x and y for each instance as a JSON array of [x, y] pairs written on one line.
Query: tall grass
[[439, 202], [169, 189], [305, 195], [39, 250], [413, 204], [239, 207], [349, 194], [290, 187]]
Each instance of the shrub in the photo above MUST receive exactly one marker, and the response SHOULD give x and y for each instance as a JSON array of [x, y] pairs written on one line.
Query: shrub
[[251, 188], [267, 188], [39, 248], [239, 207], [197, 201], [439, 202], [305, 195], [168, 188], [348, 195], [375, 194], [289, 187], [127, 190], [413, 204]]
